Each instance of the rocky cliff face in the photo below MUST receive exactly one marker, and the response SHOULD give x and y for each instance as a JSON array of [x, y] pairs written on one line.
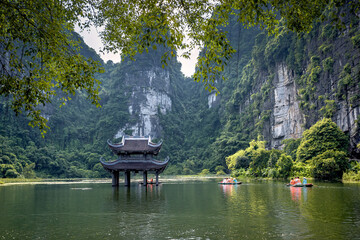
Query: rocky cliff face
[[149, 94], [292, 82], [287, 119], [323, 90], [213, 99]]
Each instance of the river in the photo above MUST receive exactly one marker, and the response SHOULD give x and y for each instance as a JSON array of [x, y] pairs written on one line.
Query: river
[[180, 210]]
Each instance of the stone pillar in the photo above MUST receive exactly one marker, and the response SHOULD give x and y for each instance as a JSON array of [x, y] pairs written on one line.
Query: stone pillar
[[115, 178], [157, 178], [145, 178], [127, 178]]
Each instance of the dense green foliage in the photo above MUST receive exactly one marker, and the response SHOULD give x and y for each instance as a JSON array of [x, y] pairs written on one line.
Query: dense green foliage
[[322, 154], [256, 161], [325, 147], [353, 174], [329, 165], [323, 136], [39, 56], [76, 139]]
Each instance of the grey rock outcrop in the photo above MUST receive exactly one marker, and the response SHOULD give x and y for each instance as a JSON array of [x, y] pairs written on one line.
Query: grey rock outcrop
[[287, 117], [150, 94]]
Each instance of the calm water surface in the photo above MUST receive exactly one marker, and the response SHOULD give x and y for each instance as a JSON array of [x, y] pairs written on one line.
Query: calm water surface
[[182, 210]]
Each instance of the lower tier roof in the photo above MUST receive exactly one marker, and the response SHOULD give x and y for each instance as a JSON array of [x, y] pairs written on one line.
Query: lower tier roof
[[135, 165]]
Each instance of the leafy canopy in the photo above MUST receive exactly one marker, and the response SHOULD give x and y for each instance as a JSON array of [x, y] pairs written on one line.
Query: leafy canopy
[[38, 54], [185, 24], [323, 136], [324, 147]]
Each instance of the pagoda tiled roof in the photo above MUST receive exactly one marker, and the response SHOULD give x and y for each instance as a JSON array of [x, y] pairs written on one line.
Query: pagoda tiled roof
[[135, 145], [135, 165]]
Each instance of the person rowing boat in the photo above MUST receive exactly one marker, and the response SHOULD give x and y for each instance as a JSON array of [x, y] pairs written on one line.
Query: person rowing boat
[[304, 181]]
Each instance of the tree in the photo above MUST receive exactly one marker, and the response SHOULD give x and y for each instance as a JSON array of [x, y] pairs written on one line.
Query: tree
[[8, 171], [39, 54], [290, 146], [204, 172], [28, 171], [284, 165], [323, 136], [330, 165], [324, 147], [254, 158], [259, 159]]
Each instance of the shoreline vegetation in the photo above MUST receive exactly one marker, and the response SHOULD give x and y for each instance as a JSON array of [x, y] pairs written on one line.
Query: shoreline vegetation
[[322, 153], [166, 178]]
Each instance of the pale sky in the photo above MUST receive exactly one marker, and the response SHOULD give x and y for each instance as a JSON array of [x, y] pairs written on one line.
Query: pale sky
[[92, 39]]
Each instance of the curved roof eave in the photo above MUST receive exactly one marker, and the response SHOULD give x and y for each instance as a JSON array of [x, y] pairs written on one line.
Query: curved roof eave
[[154, 145], [115, 145]]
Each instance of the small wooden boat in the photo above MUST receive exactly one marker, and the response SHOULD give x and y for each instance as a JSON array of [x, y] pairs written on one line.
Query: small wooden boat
[[230, 183], [300, 185], [149, 182]]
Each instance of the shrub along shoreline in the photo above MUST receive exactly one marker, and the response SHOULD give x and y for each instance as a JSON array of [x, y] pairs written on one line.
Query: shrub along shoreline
[[322, 153]]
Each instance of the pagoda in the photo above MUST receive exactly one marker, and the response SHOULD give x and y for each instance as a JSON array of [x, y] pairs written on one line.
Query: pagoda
[[134, 154]]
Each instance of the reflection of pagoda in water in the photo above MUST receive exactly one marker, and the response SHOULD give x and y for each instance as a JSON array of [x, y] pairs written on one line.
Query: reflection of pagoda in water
[[134, 154]]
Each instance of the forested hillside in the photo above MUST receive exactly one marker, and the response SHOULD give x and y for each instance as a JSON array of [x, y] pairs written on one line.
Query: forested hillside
[[290, 83], [78, 130], [75, 141], [276, 87]]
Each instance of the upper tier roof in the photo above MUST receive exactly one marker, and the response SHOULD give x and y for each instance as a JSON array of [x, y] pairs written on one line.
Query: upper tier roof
[[133, 145]]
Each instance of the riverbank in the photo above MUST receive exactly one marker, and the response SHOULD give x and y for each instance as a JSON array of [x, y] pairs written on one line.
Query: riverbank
[[165, 178], [18, 181]]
